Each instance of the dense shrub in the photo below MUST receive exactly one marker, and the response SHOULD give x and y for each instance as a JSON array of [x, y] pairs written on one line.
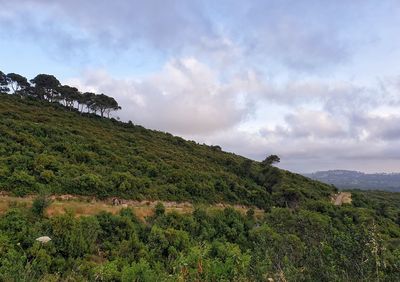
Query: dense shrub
[[207, 245]]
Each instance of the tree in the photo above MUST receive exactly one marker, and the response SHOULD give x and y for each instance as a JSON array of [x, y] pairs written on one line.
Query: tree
[[17, 82], [271, 160], [159, 209], [98, 103], [46, 87], [69, 95], [87, 99], [3, 83], [74, 237], [139, 271], [398, 219], [39, 205], [245, 167], [112, 106], [81, 101], [104, 104]]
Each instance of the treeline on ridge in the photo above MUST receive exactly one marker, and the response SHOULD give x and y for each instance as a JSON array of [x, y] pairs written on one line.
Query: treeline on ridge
[[48, 87]]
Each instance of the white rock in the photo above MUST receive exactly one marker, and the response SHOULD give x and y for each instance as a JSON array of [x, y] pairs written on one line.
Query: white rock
[[43, 239]]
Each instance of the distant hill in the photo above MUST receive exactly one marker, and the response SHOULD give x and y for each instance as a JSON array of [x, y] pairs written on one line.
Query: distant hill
[[47, 147], [348, 179]]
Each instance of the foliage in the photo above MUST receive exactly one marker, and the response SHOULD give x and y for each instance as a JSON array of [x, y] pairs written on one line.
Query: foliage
[[208, 245], [39, 205], [49, 147], [48, 87], [271, 160]]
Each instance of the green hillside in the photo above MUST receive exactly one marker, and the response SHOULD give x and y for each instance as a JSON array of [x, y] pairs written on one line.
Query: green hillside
[[47, 147]]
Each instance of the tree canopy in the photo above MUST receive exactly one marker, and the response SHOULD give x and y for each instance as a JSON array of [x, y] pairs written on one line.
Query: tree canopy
[[17, 82], [271, 160], [3, 83], [47, 87]]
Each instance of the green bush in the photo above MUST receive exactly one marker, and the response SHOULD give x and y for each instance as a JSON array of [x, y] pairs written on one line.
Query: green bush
[[39, 205]]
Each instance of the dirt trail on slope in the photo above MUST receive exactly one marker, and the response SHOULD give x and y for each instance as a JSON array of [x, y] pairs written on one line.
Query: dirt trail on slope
[[342, 198], [85, 206]]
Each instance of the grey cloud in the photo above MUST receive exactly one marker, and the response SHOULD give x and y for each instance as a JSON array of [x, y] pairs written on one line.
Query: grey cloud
[[301, 49], [305, 155], [311, 36], [52, 36], [378, 128], [120, 23], [336, 98], [314, 124], [301, 35], [297, 92]]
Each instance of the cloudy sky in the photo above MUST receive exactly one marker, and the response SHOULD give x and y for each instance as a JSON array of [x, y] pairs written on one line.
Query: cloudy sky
[[316, 82]]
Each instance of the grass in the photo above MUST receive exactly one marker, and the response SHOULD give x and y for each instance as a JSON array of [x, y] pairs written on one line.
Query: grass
[[87, 206]]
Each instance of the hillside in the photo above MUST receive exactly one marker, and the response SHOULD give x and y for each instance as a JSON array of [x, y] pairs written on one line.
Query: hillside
[[302, 229], [46, 147], [348, 179]]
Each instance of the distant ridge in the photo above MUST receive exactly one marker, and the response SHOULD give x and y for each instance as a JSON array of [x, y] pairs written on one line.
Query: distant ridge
[[349, 179]]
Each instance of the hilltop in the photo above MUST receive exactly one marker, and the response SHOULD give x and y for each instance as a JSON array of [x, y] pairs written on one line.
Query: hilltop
[[47, 147]]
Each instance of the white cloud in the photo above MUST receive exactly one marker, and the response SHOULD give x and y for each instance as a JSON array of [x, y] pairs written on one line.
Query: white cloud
[[185, 97], [313, 124]]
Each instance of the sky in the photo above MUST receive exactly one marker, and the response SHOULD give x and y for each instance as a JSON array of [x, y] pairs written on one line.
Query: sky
[[315, 82]]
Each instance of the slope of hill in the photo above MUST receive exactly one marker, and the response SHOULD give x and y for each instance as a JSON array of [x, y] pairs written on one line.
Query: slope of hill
[[46, 147], [297, 235], [348, 179]]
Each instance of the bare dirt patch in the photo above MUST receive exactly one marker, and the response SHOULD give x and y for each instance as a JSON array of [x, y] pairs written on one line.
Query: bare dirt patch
[[341, 198]]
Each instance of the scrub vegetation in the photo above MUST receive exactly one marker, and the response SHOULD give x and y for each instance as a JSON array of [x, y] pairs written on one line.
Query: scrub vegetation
[[46, 147], [293, 232]]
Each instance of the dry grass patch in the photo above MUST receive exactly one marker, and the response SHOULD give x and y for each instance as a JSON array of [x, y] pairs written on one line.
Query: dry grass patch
[[84, 206], [341, 198]]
